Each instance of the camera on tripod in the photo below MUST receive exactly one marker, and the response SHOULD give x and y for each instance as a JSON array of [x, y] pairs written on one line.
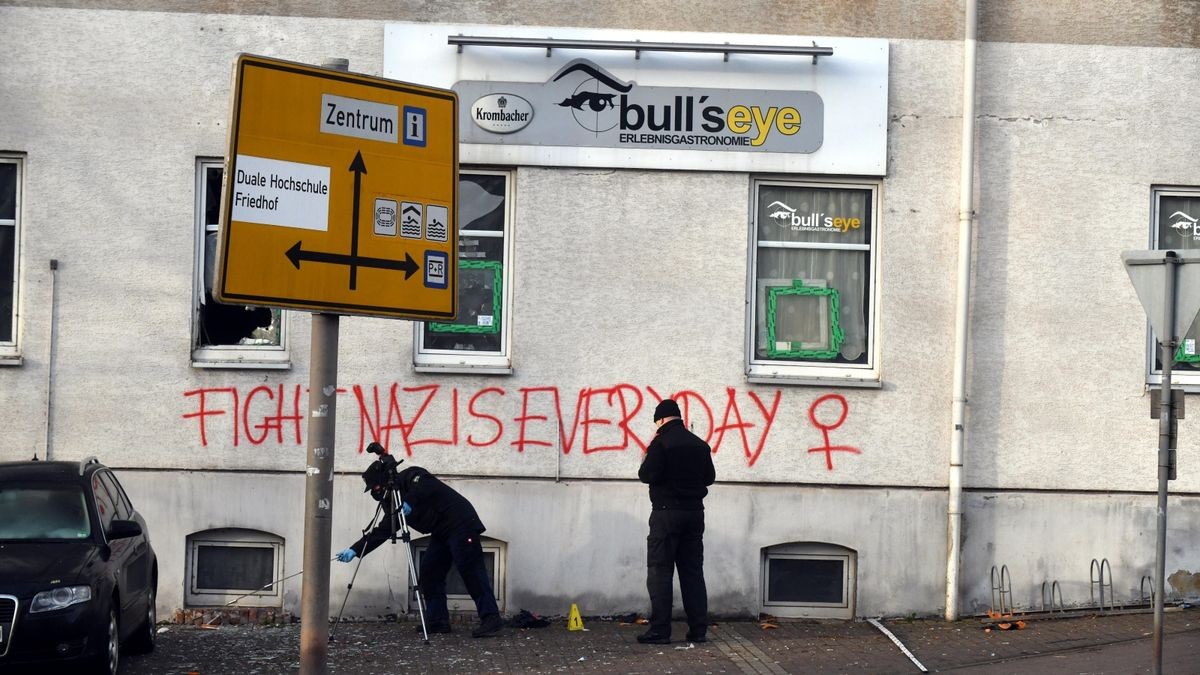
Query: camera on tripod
[[383, 472]]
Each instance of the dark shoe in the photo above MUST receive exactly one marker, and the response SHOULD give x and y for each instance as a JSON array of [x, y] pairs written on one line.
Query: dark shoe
[[653, 637], [696, 637], [490, 625], [434, 628]]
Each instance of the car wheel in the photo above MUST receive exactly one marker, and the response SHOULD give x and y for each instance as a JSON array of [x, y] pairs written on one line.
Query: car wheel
[[142, 641], [109, 658]]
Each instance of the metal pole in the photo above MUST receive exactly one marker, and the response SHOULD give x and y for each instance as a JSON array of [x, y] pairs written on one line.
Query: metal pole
[[318, 488], [1166, 415], [962, 316], [318, 495]]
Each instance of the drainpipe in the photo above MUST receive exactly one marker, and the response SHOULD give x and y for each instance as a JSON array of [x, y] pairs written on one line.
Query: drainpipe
[[961, 315]]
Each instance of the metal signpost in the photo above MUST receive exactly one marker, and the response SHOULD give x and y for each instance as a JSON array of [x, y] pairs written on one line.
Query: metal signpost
[[1168, 285], [339, 197]]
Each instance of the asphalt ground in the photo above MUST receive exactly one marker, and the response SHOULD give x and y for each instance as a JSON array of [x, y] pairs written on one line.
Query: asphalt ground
[[1112, 643]]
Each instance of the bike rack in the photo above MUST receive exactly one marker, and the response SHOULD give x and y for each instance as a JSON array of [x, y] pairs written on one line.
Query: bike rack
[[1001, 587], [1100, 571], [1148, 580], [1054, 592]]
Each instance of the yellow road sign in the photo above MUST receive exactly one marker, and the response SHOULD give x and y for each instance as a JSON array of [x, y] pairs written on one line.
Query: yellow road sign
[[340, 193]]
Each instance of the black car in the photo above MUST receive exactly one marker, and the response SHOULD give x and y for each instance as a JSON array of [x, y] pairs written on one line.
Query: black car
[[78, 577]]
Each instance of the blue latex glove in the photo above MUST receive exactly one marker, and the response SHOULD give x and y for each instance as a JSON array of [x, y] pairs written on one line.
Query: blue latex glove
[[347, 555], [405, 509]]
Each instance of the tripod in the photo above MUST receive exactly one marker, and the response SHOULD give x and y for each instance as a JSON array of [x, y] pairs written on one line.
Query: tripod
[[390, 506]]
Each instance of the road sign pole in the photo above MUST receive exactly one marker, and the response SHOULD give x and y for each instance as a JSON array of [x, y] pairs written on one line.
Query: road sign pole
[[318, 485], [1167, 343]]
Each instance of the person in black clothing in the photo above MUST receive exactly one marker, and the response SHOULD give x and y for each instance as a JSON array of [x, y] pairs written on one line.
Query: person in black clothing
[[432, 507], [678, 467]]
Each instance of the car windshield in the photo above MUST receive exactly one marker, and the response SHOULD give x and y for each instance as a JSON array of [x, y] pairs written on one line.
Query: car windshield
[[43, 512]]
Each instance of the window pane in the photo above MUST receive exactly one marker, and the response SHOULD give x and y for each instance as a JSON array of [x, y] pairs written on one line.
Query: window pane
[[239, 568], [812, 274], [481, 202], [122, 507], [800, 580], [105, 506], [1179, 229], [807, 284], [814, 215], [49, 512], [212, 195], [8, 191], [479, 325], [222, 324], [8, 236], [480, 299]]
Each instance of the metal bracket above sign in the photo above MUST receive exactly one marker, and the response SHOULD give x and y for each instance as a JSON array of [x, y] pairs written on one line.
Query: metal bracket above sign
[[637, 46]]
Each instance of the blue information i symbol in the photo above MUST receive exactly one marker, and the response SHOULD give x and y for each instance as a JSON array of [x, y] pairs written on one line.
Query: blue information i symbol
[[414, 126]]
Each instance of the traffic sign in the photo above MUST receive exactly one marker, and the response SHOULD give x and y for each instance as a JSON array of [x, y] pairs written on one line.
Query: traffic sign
[[1147, 271], [340, 193]]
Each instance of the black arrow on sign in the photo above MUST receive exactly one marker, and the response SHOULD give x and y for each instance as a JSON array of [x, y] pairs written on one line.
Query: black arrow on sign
[[359, 168], [296, 254]]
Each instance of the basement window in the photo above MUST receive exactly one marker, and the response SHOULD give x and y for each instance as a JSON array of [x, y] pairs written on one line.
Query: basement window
[[457, 597], [227, 563], [809, 580]]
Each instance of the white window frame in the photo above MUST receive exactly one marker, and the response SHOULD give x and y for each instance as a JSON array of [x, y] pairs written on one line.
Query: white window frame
[[427, 360], [225, 356], [10, 350], [1180, 379], [768, 371], [233, 538], [812, 610], [457, 602]]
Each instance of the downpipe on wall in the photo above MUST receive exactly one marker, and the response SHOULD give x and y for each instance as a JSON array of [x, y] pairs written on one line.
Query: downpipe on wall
[[46, 432], [966, 216]]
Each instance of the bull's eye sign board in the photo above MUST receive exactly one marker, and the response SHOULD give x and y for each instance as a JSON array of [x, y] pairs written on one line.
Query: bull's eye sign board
[[339, 193]]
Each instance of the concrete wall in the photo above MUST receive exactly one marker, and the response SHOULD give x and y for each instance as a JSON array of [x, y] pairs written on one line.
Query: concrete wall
[[112, 108]]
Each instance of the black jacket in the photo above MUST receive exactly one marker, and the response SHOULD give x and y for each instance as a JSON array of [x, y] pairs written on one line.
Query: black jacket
[[436, 509], [678, 467]]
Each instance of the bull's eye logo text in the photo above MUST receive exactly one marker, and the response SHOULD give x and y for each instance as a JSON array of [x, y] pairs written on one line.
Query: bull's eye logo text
[[600, 102], [813, 221]]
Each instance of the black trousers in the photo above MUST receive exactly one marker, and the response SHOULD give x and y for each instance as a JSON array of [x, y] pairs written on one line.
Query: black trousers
[[463, 550], [676, 541]]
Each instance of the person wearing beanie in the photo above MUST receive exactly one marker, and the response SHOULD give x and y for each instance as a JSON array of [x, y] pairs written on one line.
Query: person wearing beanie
[[678, 467], [432, 507]]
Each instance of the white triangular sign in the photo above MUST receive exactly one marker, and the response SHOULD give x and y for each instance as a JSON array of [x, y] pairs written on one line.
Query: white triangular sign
[[1147, 270]]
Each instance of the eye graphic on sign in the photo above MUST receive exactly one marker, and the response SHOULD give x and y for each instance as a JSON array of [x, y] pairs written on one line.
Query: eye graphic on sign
[[592, 102]]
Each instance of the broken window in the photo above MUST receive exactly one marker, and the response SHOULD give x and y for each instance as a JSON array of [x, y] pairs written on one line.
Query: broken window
[[476, 341], [227, 335]]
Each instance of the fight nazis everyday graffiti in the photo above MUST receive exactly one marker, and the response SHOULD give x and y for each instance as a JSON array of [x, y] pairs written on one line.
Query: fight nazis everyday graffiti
[[591, 420]]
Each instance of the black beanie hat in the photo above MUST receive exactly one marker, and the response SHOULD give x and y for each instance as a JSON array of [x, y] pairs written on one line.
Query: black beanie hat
[[666, 408]]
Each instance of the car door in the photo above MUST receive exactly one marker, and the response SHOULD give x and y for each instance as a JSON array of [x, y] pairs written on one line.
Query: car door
[[139, 567], [121, 550]]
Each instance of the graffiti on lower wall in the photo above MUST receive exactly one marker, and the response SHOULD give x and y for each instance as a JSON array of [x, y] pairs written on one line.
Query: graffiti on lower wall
[[588, 421]]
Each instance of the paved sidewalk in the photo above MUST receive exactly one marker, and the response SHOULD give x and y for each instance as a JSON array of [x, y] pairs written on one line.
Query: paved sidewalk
[[1095, 644]]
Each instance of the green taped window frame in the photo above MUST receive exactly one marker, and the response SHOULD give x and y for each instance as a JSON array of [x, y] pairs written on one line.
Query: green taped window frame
[[1181, 357], [836, 335], [497, 297]]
